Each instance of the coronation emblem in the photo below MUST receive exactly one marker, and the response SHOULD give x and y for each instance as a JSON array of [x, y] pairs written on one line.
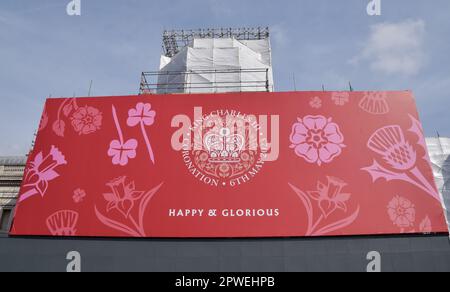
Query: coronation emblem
[[225, 148]]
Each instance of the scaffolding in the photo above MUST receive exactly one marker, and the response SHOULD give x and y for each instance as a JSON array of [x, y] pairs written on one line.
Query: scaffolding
[[175, 40], [256, 80]]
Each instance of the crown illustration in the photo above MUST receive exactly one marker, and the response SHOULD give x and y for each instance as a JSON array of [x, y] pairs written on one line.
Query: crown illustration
[[224, 147]]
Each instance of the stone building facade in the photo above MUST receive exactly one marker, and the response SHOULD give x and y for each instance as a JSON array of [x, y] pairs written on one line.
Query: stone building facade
[[11, 173]]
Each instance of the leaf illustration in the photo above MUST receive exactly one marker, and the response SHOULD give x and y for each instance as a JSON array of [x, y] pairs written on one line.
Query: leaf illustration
[[59, 128], [116, 225], [339, 224], [378, 172], [44, 121], [425, 226], [67, 109], [144, 203], [307, 203], [418, 130]]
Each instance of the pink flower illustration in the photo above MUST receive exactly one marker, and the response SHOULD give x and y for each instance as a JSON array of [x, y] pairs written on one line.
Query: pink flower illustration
[[399, 160], [340, 98], [120, 150], [123, 196], [131, 206], [402, 212], [63, 223], [330, 196], [143, 115], [315, 102], [390, 143], [317, 139], [79, 195], [42, 170], [86, 120]]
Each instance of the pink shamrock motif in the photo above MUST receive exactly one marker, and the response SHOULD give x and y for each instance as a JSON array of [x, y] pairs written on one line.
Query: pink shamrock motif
[[402, 212], [317, 139], [120, 150], [330, 196], [86, 120], [143, 115], [42, 170]]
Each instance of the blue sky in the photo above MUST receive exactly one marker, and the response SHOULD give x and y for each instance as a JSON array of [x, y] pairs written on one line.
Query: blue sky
[[44, 51]]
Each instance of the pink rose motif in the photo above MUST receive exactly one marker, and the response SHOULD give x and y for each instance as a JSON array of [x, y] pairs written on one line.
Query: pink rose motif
[[122, 152], [340, 98], [123, 196], [41, 172], [330, 196], [402, 212], [142, 113], [86, 120], [317, 139]]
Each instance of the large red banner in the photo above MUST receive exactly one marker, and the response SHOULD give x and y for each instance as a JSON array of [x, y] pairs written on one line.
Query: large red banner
[[230, 165]]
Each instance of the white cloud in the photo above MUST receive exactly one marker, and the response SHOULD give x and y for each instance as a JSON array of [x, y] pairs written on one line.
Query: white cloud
[[395, 48]]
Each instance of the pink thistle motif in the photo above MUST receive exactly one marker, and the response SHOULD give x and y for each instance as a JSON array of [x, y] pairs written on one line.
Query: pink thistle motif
[[63, 223], [86, 120], [375, 103], [42, 170], [120, 150], [317, 139], [340, 98], [122, 197], [402, 212], [389, 142], [330, 196], [143, 115]]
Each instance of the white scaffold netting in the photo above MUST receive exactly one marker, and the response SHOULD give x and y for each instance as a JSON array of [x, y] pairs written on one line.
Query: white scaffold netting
[[231, 65], [439, 149]]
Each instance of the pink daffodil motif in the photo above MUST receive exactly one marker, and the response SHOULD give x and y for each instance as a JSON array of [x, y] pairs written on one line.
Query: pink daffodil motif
[[325, 201], [123, 196], [120, 150], [317, 139], [143, 115], [126, 207], [330, 196], [41, 172]]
